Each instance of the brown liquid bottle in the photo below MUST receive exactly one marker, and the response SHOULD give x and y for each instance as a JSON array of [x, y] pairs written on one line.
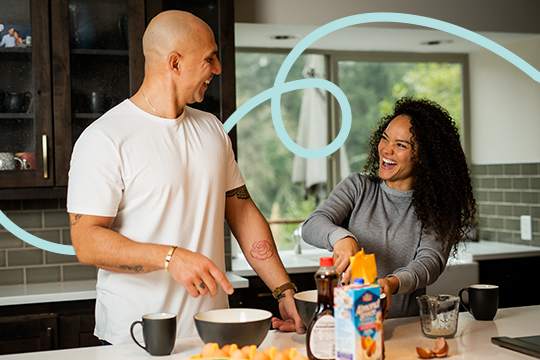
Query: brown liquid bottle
[[320, 338]]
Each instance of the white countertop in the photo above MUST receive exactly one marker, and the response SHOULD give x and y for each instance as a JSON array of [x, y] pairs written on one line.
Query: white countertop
[[402, 336], [490, 250], [69, 290]]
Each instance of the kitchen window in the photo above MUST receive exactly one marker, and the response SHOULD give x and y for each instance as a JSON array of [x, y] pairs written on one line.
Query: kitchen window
[[285, 187]]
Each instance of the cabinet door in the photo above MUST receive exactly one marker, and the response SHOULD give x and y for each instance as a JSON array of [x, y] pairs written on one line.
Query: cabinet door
[[28, 333], [97, 63], [77, 331], [25, 95]]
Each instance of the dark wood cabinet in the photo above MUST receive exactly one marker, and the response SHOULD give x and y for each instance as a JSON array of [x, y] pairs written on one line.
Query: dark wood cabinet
[[97, 62], [258, 296], [25, 96], [77, 330], [83, 58], [47, 326], [27, 333], [512, 276]]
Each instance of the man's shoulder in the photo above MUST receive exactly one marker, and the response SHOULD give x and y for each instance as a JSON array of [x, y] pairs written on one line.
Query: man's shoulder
[[116, 115], [201, 116]]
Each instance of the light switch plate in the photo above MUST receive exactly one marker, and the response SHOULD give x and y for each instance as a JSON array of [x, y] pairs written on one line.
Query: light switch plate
[[526, 227]]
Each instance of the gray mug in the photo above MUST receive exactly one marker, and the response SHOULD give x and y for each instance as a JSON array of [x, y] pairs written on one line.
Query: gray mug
[[159, 332], [8, 161]]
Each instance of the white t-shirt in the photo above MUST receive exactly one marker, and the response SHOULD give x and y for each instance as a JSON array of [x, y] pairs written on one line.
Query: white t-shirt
[[164, 181]]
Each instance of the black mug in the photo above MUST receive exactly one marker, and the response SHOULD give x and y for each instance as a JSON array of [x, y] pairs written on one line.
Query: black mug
[[100, 102], [17, 103], [483, 300], [159, 332]]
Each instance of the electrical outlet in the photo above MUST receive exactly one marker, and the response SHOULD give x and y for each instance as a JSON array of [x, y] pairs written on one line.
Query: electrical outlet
[[526, 227]]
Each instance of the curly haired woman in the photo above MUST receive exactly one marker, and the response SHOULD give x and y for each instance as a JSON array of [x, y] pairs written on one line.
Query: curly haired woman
[[409, 208]]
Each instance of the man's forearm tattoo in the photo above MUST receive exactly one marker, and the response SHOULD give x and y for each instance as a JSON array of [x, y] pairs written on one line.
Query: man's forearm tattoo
[[261, 250], [241, 193], [76, 219], [136, 269]]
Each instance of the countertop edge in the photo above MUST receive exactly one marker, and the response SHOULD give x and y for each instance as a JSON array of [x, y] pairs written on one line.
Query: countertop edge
[[76, 290]]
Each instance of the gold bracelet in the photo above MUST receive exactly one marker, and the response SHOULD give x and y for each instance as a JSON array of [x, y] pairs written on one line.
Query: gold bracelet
[[169, 257]]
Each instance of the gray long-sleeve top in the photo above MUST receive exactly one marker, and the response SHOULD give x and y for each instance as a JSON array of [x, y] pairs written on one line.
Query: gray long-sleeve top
[[384, 223]]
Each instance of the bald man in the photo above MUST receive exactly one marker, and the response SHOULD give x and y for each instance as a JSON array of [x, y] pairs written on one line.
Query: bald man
[[150, 184]]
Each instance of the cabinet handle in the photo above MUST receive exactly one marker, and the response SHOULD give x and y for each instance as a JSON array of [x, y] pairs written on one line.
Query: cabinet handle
[[50, 337], [45, 164]]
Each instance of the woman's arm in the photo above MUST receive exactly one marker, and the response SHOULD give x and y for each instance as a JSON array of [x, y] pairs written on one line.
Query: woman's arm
[[324, 227]]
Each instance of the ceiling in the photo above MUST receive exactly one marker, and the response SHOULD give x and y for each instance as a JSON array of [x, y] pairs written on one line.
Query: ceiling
[[362, 38]]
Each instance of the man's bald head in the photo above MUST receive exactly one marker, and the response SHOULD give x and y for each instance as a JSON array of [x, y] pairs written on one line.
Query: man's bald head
[[172, 31]]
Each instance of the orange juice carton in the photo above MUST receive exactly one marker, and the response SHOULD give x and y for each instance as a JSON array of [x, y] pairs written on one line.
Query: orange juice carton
[[358, 322]]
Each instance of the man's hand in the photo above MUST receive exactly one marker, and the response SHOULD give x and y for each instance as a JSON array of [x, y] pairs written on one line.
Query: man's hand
[[343, 250], [197, 274], [291, 320]]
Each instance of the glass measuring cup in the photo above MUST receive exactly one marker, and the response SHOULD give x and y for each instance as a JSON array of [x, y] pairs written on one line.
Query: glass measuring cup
[[438, 315]]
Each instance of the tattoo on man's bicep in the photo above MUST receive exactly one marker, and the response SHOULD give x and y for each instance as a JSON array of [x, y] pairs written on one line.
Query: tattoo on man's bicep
[[75, 219], [241, 193], [136, 269]]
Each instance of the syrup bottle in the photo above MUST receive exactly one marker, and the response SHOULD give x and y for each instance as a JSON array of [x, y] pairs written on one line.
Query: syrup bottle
[[320, 338]]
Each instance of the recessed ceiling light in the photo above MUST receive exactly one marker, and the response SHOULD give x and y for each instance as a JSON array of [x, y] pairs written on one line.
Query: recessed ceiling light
[[283, 37], [436, 42]]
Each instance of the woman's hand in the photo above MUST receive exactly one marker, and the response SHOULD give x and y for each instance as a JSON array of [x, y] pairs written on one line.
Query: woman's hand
[[389, 286], [343, 250]]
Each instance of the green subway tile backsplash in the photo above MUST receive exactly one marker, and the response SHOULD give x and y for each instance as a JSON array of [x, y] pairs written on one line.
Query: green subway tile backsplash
[[43, 274], [66, 237], [504, 210], [54, 258], [529, 197], [495, 169], [56, 219], [79, 272], [512, 197], [11, 276], [26, 219], [502, 183], [511, 169], [24, 257], [504, 192], [521, 183], [9, 241], [21, 263], [52, 235], [529, 169], [495, 196]]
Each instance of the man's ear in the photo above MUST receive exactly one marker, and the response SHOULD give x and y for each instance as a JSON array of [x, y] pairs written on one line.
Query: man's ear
[[174, 62]]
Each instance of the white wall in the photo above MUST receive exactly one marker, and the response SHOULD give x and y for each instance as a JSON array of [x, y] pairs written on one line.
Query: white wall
[[505, 107]]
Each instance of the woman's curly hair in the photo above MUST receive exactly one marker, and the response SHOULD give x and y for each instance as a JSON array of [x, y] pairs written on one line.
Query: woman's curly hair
[[443, 196]]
